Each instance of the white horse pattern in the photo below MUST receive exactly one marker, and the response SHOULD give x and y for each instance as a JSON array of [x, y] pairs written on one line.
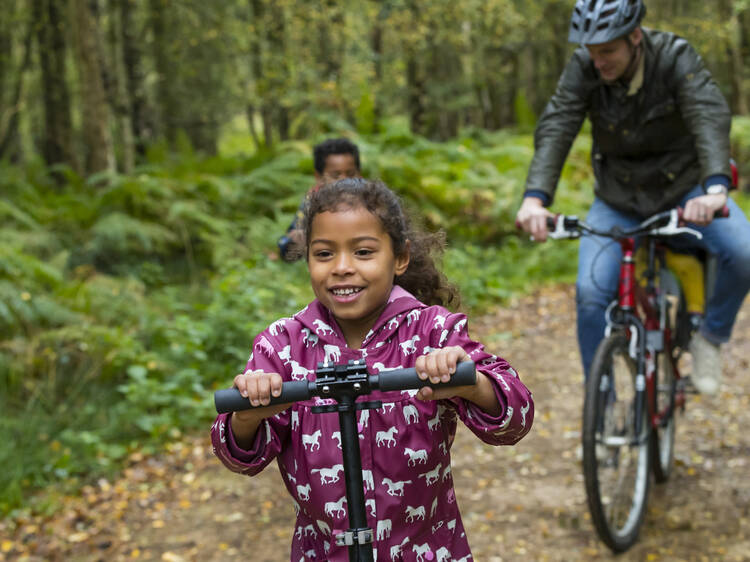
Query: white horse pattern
[[277, 327], [313, 440], [432, 476], [409, 346], [321, 327], [299, 372], [411, 414], [309, 338], [386, 437], [304, 492], [332, 353], [395, 488], [329, 475], [413, 513], [418, 456], [335, 508], [420, 550], [384, 529]]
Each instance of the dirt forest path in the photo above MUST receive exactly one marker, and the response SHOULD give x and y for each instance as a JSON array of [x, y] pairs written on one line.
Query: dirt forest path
[[522, 503]]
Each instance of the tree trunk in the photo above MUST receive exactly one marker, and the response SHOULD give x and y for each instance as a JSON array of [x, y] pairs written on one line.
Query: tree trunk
[[444, 73], [6, 63], [57, 143], [250, 115], [736, 68], [9, 118], [376, 45], [167, 104], [257, 18], [275, 30], [97, 138], [266, 114], [743, 19], [133, 78], [119, 99], [415, 94]]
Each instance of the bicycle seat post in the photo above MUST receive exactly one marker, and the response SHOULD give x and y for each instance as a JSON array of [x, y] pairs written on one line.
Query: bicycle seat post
[[343, 383]]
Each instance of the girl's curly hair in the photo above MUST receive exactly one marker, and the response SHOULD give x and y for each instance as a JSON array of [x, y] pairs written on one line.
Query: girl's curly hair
[[422, 277]]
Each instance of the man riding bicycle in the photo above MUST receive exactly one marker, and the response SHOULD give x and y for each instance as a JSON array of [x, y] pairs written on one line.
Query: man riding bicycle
[[660, 129]]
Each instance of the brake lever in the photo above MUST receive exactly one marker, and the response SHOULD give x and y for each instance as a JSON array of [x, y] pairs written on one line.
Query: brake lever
[[673, 227]]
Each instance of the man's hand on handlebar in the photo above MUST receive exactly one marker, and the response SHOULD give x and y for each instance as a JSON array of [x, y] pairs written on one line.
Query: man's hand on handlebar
[[532, 218], [700, 210]]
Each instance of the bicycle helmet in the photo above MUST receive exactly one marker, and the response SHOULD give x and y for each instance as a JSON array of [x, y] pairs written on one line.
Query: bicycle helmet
[[598, 21]]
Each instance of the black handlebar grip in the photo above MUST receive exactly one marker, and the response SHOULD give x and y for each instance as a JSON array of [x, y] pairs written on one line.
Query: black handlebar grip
[[551, 223], [230, 400], [406, 379], [722, 213]]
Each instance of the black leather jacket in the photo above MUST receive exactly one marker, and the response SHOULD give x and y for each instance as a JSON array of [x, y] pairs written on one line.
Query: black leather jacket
[[648, 149]]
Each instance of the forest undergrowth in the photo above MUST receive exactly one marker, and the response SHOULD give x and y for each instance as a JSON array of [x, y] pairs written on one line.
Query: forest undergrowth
[[125, 300]]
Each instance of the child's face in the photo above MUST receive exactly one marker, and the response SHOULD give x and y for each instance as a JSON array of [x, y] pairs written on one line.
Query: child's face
[[338, 167], [352, 267]]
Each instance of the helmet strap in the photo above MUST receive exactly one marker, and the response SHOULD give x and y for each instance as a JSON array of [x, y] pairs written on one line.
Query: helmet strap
[[635, 56]]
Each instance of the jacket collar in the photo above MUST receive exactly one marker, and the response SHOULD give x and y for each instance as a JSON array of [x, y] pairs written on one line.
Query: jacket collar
[[319, 320]]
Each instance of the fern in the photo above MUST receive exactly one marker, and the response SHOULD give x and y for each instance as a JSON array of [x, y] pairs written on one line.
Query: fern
[[117, 235], [8, 211]]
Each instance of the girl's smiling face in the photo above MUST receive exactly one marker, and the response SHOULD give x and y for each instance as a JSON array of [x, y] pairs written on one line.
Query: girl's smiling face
[[352, 267]]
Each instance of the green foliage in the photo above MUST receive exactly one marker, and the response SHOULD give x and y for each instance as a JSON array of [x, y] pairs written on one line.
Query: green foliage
[[525, 116], [124, 305], [365, 112], [740, 137]]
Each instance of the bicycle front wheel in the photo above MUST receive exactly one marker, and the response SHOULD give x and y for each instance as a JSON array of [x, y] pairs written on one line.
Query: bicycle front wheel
[[616, 461]]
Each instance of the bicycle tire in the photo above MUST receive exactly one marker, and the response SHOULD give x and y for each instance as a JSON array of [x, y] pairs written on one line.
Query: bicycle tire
[[616, 463], [665, 383]]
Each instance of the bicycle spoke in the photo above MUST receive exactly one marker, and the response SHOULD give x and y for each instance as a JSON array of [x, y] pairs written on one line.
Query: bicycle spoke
[[616, 460]]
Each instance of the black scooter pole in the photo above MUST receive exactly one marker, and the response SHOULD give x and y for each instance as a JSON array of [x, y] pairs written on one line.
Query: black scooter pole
[[359, 536]]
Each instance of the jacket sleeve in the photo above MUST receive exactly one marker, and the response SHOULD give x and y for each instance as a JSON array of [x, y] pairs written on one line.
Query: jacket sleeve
[[515, 399], [704, 109], [272, 434], [557, 128]]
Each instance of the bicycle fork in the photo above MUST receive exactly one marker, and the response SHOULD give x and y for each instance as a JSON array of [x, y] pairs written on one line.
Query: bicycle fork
[[637, 347], [637, 351]]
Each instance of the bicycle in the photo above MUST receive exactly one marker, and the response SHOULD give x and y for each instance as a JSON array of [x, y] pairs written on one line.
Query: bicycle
[[344, 383], [635, 385]]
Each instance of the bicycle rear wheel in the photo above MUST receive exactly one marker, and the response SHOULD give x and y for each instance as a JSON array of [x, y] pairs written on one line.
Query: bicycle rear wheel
[[675, 316], [616, 462], [663, 436]]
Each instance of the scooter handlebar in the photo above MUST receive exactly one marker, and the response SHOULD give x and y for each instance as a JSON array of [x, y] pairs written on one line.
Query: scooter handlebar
[[230, 400]]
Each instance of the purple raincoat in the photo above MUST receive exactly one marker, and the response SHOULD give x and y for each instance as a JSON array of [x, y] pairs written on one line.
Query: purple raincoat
[[405, 445]]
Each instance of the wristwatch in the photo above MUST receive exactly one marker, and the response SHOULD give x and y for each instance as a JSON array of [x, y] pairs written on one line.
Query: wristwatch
[[717, 189]]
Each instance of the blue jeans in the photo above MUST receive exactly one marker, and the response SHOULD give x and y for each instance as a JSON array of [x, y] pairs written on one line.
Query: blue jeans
[[599, 268]]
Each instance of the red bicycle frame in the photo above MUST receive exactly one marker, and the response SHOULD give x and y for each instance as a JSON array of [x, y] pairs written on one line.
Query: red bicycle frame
[[641, 302]]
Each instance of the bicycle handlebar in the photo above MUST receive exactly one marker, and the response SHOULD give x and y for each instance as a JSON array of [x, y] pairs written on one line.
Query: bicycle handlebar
[[666, 223], [230, 400]]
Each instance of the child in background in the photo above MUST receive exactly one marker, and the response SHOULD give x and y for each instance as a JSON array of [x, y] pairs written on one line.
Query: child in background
[[379, 297], [333, 159]]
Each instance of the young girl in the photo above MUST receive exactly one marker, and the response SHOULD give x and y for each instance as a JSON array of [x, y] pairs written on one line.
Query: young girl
[[379, 298]]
